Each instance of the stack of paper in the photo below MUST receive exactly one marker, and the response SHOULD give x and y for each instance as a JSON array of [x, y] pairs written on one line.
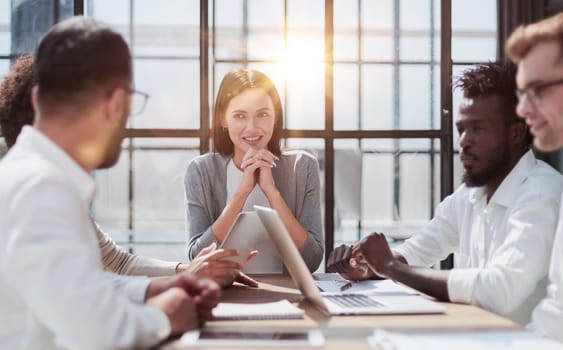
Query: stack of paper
[[278, 310]]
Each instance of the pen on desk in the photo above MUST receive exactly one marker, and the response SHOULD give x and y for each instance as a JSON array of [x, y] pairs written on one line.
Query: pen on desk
[[348, 285]]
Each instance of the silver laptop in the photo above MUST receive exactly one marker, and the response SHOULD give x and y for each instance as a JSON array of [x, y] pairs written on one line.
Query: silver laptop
[[337, 304]]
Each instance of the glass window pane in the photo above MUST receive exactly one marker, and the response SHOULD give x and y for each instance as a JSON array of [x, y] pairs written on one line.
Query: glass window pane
[[346, 30], [347, 190], [377, 29], [173, 86], [171, 251], [114, 12], [415, 23], [158, 192], [175, 31], [415, 97], [306, 99], [346, 97], [416, 173], [228, 18], [165, 143], [397, 184], [304, 68], [5, 22], [377, 97], [265, 29], [474, 28], [313, 146], [110, 207], [378, 168]]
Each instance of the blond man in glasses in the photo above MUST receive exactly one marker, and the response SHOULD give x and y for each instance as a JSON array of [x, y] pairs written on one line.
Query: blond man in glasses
[[538, 50]]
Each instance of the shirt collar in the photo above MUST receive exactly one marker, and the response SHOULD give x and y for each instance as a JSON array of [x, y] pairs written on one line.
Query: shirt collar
[[35, 141], [508, 189]]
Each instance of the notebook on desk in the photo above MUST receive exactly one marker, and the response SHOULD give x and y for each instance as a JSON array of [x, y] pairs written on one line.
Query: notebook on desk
[[337, 304]]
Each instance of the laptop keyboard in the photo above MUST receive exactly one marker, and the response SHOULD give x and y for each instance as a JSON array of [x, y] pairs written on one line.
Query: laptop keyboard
[[354, 301]]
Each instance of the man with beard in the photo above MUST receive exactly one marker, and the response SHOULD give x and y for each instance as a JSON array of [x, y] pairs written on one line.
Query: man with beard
[[538, 50], [500, 222], [54, 292]]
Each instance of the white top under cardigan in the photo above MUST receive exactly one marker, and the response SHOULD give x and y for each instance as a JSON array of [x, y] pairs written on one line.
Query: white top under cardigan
[[268, 259]]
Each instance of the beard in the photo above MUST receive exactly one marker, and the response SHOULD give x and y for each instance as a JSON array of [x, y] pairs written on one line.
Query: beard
[[494, 164], [113, 150]]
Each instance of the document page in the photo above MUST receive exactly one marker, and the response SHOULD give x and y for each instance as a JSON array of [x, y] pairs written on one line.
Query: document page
[[278, 310]]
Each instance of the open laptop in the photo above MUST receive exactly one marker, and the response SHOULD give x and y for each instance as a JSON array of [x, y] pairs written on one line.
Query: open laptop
[[337, 304]]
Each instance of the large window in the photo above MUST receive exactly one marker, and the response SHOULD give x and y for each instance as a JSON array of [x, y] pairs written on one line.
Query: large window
[[364, 85]]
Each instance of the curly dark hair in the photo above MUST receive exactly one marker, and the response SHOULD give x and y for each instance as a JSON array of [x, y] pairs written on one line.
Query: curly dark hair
[[16, 109], [494, 78]]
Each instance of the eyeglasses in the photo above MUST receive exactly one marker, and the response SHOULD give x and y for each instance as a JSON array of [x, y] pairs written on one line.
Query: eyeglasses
[[138, 100], [534, 92]]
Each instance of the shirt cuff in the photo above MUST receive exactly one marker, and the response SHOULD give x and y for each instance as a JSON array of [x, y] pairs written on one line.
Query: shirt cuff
[[163, 328], [461, 283], [405, 254], [136, 288]]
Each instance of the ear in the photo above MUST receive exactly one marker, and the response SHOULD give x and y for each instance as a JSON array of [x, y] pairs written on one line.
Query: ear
[[35, 98], [116, 103]]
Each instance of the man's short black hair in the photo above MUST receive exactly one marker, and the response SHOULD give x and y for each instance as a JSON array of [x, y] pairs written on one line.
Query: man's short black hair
[[16, 109], [494, 78], [78, 58]]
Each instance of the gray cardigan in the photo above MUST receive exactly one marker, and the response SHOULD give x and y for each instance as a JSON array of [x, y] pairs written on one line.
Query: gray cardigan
[[296, 177]]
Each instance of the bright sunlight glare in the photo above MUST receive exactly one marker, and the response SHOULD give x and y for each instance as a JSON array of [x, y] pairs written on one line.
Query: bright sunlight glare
[[301, 58]]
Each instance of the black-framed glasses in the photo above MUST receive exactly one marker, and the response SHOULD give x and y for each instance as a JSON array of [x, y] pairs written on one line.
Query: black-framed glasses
[[138, 100], [534, 92]]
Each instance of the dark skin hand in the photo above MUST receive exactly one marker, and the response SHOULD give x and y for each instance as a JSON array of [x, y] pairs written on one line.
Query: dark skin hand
[[375, 252], [342, 262]]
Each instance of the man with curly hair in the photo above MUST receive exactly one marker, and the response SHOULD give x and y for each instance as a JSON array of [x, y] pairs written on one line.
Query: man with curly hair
[[500, 222]]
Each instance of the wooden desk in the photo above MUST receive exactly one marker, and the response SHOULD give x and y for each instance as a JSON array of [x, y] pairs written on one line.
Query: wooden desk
[[347, 332]]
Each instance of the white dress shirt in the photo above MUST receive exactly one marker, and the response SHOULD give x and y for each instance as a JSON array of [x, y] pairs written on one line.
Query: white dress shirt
[[547, 317], [53, 290], [502, 247]]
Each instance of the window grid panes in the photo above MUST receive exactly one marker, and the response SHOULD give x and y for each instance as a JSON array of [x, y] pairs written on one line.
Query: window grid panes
[[386, 114]]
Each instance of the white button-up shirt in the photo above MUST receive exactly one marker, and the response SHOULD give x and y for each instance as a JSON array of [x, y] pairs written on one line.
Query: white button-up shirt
[[53, 290], [547, 318], [502, 247]]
